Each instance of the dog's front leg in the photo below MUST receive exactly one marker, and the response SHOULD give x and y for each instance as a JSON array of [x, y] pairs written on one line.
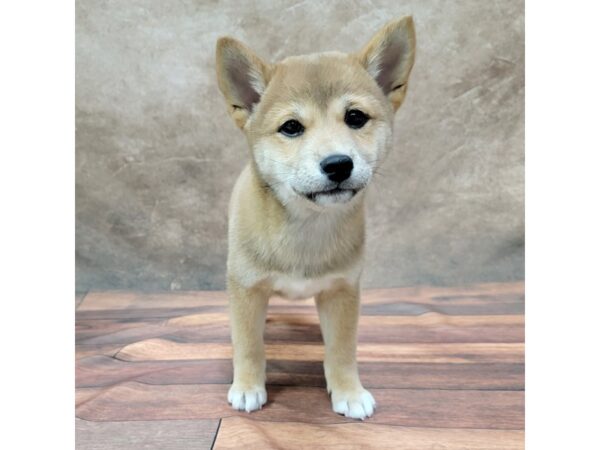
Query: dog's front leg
[[338, 312], [248, 309]]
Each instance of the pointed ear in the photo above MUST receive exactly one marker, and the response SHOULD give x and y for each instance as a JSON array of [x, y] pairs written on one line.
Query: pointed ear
[[242, 78], [389, 57]]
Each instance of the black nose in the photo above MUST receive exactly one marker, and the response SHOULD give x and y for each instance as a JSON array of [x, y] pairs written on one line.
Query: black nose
[[337, 167]]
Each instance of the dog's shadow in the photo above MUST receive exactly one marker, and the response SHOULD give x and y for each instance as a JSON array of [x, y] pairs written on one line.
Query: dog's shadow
[[302, 371]]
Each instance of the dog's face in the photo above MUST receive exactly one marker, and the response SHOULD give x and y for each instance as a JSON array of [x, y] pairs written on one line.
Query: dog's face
[[319, 125]]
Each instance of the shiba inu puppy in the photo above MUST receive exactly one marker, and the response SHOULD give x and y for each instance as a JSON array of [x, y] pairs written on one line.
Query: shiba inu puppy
[[318, 127]]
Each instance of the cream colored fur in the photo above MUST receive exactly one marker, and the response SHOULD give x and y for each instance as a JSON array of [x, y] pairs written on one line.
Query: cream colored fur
[[284, 242]]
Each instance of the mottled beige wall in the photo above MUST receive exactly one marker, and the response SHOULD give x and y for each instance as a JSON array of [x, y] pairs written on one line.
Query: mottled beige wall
[[157, 154]]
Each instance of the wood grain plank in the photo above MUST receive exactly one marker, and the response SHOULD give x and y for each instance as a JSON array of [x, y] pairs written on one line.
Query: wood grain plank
[[111, 300], [486, 376], [445, 364], [492, 298], [84, 395], [429, 327], [214, 327], [476, 293], [88, 350], [404, 407], [238, 432], [118, 331], [142, 435], [166, 350], [145, 313], [98, 371], [387, 309], [131, 300], [406, 308], [450, 308], [431, 334], [427, 319]]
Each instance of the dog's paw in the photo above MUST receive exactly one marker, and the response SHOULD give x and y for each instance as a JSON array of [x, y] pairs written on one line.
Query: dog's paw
[[247, 400], [358, 404]]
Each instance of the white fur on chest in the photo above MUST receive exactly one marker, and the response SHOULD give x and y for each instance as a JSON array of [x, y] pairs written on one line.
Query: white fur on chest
[[300, 288]]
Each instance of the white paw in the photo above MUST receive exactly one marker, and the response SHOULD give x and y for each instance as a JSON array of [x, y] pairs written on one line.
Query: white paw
[[247, 399], [358, 404]]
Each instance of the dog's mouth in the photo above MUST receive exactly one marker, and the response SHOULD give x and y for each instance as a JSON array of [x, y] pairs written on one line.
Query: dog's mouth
[[335, 195]]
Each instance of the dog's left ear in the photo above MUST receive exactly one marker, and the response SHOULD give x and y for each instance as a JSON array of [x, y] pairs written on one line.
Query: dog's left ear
[[242, 78], [389, 57]]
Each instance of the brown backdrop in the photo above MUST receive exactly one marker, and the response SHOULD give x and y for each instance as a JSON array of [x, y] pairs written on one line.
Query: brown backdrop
[[157, 155]]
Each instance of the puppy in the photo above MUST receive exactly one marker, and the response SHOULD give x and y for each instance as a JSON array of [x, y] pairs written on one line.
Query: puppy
[[318, 126]]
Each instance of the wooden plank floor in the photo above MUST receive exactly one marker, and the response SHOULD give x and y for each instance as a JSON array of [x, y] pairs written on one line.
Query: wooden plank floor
[[446, 366]]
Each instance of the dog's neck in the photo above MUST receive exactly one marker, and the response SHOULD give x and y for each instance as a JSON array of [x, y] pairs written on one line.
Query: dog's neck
[[297, 237], [313, 242]]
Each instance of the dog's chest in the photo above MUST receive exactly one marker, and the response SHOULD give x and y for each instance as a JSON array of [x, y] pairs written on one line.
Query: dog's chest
[[300, 288]]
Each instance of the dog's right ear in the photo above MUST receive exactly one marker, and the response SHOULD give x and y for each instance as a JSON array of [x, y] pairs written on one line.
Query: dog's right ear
[[242, 78]]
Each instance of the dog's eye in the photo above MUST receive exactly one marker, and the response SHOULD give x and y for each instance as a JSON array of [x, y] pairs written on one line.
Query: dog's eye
[[291, 128], [355, 118]]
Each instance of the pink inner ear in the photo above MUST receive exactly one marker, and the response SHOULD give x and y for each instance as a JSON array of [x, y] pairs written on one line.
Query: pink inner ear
[[389, 61], [239, 75]]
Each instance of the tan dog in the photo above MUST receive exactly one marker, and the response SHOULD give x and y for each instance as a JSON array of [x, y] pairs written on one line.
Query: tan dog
[[318, 126]]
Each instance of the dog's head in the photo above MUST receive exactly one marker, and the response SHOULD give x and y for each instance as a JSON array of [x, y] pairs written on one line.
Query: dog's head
[[319, 125]]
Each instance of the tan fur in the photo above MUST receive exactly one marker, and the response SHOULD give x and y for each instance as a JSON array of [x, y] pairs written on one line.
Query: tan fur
[[282, 243]]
